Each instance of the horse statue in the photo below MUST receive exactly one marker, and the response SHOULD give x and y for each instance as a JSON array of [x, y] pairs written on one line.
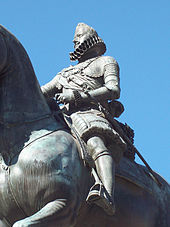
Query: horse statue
[[43, 180]]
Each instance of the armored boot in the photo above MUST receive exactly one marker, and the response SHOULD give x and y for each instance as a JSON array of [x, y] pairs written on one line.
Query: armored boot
[[102, 192]]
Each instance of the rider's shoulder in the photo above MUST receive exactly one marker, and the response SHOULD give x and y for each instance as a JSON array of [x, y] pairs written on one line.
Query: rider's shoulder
[[107, 60]]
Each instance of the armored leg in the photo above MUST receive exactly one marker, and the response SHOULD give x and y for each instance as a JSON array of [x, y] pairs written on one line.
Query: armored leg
[[105, 167]]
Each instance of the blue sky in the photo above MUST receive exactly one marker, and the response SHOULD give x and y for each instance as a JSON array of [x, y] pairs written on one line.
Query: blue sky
[[136, 34]]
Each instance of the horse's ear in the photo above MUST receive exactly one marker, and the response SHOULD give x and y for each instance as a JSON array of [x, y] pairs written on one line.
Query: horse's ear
[[3, 54]]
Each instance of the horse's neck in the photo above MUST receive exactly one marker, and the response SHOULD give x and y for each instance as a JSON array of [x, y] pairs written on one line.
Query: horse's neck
[[21, 99], [20, 92]]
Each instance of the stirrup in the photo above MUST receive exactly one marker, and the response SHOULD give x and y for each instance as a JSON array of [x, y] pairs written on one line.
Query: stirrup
[[101, 198], [94, 193]]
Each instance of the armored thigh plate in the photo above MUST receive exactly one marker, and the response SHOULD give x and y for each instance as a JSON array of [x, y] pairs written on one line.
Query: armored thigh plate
[[92, 123]]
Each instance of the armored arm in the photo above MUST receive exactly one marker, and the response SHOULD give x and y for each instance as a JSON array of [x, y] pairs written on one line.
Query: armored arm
[[110, 89], [50, 89]]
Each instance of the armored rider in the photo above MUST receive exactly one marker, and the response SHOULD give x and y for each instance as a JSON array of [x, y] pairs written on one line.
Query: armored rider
[[89, 90]]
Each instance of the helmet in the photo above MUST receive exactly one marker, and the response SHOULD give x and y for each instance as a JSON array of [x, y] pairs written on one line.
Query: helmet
[[85, 39]]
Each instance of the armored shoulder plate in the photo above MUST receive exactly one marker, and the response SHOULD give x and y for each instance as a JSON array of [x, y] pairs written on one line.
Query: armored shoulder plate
[[97, 66]]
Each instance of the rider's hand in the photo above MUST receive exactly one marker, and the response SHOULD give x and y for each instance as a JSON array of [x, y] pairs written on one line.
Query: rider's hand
[[65, 97]]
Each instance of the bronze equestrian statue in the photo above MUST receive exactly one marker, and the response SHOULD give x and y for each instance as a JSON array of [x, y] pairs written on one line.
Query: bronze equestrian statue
[[43, 179]]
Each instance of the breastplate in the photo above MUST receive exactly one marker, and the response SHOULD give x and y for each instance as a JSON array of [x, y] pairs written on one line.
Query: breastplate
[[81, 77]]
